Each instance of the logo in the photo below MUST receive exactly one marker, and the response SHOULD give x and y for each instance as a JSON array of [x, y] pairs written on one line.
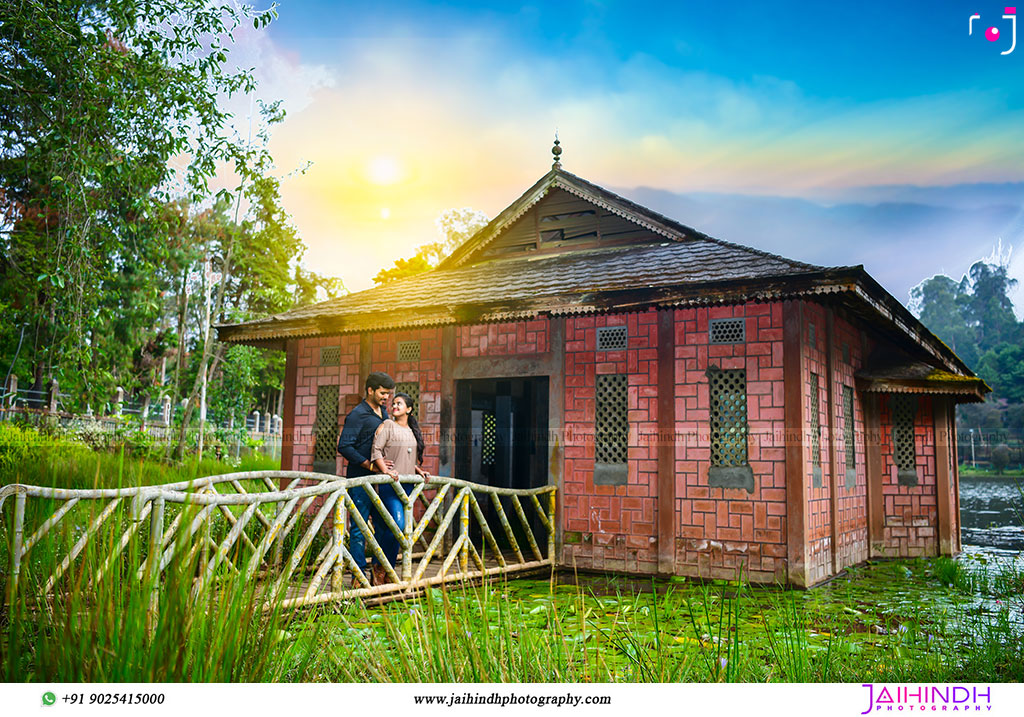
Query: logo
[[994, 34], [49, 698], [928, 698]]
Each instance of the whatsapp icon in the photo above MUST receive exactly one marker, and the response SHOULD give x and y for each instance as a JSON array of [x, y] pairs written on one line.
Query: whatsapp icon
[[49, 698]]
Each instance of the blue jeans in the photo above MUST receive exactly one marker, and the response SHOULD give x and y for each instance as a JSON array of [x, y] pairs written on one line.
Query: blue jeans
[[396, 508], [356, 539]]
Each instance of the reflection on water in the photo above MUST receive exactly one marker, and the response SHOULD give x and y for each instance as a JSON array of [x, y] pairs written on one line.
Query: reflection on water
[[992, 512]]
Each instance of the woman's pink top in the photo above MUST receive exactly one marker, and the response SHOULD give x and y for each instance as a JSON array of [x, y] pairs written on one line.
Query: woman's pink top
[[395, 443]]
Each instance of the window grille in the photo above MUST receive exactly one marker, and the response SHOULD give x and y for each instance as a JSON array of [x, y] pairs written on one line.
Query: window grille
[[728, 417], [611, 435], [408, 350], [326, 429], [412, 390], [612, 338], [851, 456], [904, 450], [815, 431], [728, 395], [330, 356], [488, 439], [812, 337], [552, 235], [727, 331]]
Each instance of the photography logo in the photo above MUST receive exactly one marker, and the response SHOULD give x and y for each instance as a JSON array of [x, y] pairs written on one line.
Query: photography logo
[[994, 34]]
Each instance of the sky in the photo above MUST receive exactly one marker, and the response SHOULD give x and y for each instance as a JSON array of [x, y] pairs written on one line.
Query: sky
[[876, 114]]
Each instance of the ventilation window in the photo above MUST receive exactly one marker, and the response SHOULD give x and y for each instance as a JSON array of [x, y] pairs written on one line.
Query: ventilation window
[[846, 353], [567, 215], [330, 356], [325, 430], [408, 350], [815, 430], [812, 337], [412, 390], [611, 338], [552, 235], [488, 439], [904, 450], [727, 331], [728, 393], [851, 456], [611, 435]]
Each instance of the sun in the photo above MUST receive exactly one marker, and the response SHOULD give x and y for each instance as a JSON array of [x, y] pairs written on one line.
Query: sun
[[385, 213], [384, 170]]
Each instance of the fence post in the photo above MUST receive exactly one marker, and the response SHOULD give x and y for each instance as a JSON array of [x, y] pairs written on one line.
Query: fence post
[[52, 395], [12, 390], [156, 532], [16, 548], [145, 412], [165, 409], [118, 401], [464, 552], [340, 517]]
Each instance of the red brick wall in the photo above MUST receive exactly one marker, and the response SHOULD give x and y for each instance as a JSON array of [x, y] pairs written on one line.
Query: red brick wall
[[309, 375], [720, 529], [852, 510], [519, 337], [911, 512], [819, 518], [615, 525], [426, 371]]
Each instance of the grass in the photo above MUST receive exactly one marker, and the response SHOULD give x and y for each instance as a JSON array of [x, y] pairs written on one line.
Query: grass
[[918, 620]]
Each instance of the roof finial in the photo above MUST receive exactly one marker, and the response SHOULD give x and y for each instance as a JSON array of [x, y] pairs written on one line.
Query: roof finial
[[556, 153]]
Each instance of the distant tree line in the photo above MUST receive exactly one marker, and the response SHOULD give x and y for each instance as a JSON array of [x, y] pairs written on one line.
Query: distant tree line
[[975, 317]]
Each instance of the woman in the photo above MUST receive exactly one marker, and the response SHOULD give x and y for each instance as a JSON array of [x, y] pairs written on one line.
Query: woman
[[400, 441]]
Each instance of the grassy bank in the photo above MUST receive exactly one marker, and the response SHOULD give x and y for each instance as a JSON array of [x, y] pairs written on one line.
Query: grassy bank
[[909, 621]]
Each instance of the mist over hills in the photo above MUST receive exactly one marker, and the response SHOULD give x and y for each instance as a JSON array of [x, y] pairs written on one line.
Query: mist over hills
[[901, 234]]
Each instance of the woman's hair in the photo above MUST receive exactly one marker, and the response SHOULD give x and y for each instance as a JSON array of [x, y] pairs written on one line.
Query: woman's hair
[[414, 425]]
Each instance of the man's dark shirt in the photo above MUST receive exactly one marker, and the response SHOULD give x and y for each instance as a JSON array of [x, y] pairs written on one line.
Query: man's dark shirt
[[356, 440]]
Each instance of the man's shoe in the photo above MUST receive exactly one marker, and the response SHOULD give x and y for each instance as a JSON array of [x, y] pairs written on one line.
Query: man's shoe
[[380, 575]]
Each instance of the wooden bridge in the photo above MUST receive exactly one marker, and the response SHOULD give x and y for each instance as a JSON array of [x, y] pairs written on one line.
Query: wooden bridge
[[268, 525]]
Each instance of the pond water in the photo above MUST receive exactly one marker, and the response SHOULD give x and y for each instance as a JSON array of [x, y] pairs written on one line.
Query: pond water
[[992, 514]]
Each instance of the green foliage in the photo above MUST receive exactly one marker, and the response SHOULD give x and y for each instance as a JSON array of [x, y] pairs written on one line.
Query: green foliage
[[454, 226]]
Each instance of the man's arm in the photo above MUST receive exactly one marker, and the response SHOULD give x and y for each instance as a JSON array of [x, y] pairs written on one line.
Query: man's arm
[[347, 442]]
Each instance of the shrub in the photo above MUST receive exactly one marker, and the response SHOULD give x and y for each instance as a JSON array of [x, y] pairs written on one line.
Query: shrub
[[1000, 457]]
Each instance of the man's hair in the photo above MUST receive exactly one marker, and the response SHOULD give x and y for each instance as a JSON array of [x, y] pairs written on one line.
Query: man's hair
[[379, 379]]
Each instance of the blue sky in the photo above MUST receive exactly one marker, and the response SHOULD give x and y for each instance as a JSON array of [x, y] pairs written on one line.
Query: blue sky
[[407, 109]]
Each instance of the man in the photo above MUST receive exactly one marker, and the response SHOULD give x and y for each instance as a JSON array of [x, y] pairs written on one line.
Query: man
[[355, 444]]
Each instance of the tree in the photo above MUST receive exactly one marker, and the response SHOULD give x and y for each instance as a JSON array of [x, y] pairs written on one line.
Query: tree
[[940, 305], [1002, 368], [989, 307], [95, 97], [454, 226]]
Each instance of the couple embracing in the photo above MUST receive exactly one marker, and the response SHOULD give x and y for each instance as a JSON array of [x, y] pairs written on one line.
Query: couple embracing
[[374, 442]]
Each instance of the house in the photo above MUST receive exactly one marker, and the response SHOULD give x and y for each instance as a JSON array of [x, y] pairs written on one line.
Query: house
[[703, 407]]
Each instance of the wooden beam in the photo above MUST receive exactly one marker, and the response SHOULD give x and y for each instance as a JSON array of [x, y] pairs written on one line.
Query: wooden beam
[[556, 418], [666, 445], [873, 470], [446, 420], [943, 488], [796, 469], [833, 464], [291, 372]]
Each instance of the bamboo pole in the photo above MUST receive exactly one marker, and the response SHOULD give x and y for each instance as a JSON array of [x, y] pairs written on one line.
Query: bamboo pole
[[305, 541], [80, 545], [503, 519], [526, 527], [464, 530], [270, 537], [50, 522], [17, 550], [338, 538], [156, 531], [438, 537], [551, 528], [370, 540], [486, 529]]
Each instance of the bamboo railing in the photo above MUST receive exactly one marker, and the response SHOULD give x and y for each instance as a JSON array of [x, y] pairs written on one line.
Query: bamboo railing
[[262, 525]]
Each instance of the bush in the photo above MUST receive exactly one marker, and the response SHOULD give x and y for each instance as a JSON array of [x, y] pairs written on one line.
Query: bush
[[1000, 457]]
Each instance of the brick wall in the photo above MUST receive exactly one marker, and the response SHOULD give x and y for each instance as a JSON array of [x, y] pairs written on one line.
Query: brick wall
[[911, 512], [818, 522], [611, 527], [720, 529], [519, 337], [851, 510], [309, 375]]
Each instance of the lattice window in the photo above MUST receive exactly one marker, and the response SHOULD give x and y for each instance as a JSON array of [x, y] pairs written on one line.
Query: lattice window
[[812, 335], [326, 426], [612, 338], [728, 390], [408, 350], [727, 331], [851, 456], [612, 433], [904, 450], [488, 439], [330, 356], [412, 390], [815, 431]]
